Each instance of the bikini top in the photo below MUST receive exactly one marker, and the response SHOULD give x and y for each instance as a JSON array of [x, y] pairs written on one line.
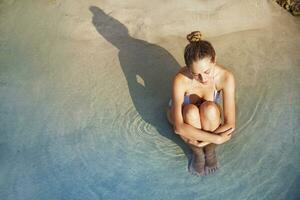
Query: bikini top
[[216, 97]]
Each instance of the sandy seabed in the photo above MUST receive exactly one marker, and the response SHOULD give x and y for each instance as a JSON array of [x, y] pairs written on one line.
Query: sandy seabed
[[84, 86]]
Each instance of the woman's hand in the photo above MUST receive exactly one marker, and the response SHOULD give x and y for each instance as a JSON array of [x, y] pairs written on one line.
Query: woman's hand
[[194, 142], [225, 136], [198, 143], [202, 144]]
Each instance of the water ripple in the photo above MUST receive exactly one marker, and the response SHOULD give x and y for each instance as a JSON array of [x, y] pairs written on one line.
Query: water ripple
[[141, 136]]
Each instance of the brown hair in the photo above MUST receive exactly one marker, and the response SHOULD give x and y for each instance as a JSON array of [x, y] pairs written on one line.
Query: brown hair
[[197, 49]]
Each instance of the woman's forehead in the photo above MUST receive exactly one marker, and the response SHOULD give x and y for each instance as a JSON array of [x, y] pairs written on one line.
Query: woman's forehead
[[202, 65]]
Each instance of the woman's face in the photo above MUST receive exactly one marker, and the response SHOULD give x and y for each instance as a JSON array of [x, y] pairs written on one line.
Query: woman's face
[[202, 70]]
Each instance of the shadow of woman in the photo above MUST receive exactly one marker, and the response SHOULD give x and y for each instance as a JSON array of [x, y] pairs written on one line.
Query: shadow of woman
[[148, 69]]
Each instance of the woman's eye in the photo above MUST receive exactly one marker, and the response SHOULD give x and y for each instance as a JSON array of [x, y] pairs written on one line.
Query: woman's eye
[[207, 72]]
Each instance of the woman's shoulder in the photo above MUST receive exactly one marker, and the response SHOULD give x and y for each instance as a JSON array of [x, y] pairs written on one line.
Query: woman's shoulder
[[181, 78], [223, 70], [223, 75], [182, 74]]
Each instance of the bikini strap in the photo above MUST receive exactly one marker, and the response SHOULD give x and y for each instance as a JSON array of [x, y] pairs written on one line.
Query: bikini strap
[[215, 89]]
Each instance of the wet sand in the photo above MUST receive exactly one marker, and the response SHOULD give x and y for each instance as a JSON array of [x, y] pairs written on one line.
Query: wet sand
[[84, 86]]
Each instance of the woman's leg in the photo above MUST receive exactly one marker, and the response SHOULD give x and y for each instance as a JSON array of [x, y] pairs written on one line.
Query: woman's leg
[[210, 117], [191, 116]]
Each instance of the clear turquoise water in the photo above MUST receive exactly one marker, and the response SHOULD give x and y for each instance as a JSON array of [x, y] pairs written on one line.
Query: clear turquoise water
[[82, 114]]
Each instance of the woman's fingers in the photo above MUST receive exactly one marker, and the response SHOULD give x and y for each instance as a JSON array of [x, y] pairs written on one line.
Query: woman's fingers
[[194, 142], [227, 132], [197, 143], [203, 144], [226, 135]]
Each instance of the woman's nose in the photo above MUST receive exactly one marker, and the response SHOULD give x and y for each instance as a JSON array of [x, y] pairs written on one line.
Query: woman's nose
[[202, 78]]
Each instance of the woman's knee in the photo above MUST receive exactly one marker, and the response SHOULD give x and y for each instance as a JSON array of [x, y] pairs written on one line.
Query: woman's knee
[[209, 109], [191, 111], [210, 116]]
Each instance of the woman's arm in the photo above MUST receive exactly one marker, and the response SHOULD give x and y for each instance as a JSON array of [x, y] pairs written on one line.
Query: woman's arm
[[229, 107], [182, 128], [224, 132], [228, 103]]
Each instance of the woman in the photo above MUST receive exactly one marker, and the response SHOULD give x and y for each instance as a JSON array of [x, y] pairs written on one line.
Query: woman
[[194, 109]]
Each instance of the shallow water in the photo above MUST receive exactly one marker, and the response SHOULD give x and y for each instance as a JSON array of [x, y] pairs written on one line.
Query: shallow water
[[84, 87]]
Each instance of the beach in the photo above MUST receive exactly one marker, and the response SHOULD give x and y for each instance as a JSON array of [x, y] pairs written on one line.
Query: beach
[[84, 86]]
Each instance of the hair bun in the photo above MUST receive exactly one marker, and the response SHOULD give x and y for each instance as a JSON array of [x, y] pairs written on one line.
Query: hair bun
[[194, 36]]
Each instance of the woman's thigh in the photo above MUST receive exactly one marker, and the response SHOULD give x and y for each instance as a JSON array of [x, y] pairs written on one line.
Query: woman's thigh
[[190, 115], [207, 116], [208, 110], [210, 115]]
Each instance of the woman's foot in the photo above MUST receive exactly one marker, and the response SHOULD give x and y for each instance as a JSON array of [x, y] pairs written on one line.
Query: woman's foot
[[197, 162], [211, 161]]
